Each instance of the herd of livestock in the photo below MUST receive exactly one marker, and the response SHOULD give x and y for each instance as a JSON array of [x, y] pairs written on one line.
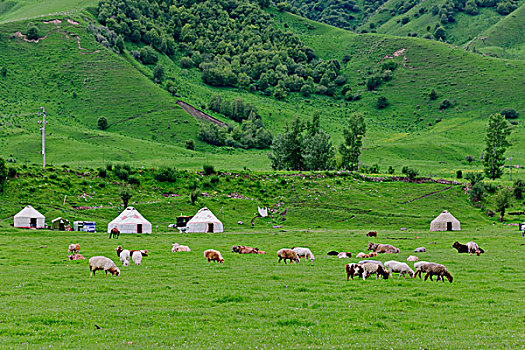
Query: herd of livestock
[[363, 269]]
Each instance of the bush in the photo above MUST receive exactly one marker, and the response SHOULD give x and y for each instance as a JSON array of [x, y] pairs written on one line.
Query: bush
[[194, 195], [433, 95], [190, 144], [409, 172], [158, 74], [477, 192], [166, 175], [382, 102], [109, 167], [374, 169], [148, 55], [11, 173], [186, 62], [474, 178], [134, 180], [214, 180], [208, 169], [391, 170], [102, 172], [519, 188], [445, 104], [102, 123], [3, 71], [171, 87], [373, 82], [459, 174], [509, 113], [32, 31], [121, 173]]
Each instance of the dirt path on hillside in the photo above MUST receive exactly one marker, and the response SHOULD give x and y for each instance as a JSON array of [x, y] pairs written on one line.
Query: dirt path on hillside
[[199, 114], [428, 195]]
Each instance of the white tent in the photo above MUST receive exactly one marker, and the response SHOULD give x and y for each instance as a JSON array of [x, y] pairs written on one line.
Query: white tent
[[204, 221], [130, 221], [445, 222], [29, 217]]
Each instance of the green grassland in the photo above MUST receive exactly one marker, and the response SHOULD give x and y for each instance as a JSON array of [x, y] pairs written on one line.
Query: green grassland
[[181, 301], [22, 9]]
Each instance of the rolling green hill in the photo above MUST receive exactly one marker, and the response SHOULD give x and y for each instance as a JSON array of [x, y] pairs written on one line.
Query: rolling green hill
[[147, 127]]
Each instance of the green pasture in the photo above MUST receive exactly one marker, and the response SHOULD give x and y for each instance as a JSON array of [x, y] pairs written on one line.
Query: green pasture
[[178, 300]]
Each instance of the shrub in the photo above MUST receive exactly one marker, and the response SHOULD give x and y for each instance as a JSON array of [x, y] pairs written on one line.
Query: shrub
[[208, 169], [194, 195], [158, 74], [102, 172], [509, 113], [121, 173], [214, 180], [410, 172], [171, 87], [102, 123], [382, 102], [374, 169], [166, 175], [477, 192], [11, 173], [391, 170], [3, 71], [109, 167], [469, 159], [445, 104], [190, 144], [102, 185], [459, 174], [433, 95], [186, 62], [373, 82], [32, 31], [519, 188], [474, 178]]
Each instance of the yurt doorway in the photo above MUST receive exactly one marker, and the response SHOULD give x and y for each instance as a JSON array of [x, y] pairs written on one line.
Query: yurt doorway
[[61, 226], [210, 227], [139, 228], [32, 222], [449, 226]]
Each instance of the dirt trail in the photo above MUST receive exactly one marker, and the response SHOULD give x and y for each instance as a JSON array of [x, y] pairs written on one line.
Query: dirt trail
[[199, 114], [428, 195]]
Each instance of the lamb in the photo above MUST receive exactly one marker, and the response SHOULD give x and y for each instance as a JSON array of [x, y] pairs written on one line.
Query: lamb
[[214, 255], [242, 249], [343, 255], [73, 248], [76, 257], [124, 255], [412, 258], [371, 268], [383, 248], [353, 270], [372, 254], [437, 270], [287, 254], [401, 268], [371, 262], [420, 250], [470, 247], [361, 255], [136, 256], [176, 247], [102, 263], [304, 253]]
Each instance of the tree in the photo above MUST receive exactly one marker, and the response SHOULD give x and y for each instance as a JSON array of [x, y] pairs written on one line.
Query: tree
[[498, 130], [351, 149], [287, 147], [125, 195], [158, 74], [391, 170], [477, 192], [474, 178], [440, 33], [433, 95], [382, 102], [469, 159], [102, 123], [519, 188], [171, 87], [32, 31], [119, 43], [503, 198], [318, 151], [3, 174]]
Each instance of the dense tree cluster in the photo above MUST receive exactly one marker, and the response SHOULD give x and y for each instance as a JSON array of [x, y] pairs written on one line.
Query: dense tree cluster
[[236, 110], [249, 134], [233, 43], [339, 13]]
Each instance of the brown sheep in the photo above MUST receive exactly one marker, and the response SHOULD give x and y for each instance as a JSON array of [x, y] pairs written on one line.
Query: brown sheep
[[353, 270], [76, 257], [214, 255], [242, 249], [371, 268], [383, 248], [437, 270], [287, 254], [372, 234]]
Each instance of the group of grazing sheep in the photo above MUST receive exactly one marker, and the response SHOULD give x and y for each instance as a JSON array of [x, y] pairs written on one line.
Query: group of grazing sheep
[[125, 254], [75, 249], [366, 268]]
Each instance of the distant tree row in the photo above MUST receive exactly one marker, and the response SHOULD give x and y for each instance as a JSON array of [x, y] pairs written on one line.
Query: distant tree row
[[249, 134], [236, 110], [233, 43]]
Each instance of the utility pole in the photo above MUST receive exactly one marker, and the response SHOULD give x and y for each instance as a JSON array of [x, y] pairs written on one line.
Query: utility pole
[[510, 160], [43, 129]]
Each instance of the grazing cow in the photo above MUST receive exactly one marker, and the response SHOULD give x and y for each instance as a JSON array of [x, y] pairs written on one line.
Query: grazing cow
[[114, 233], [371, 234], [383, 248]]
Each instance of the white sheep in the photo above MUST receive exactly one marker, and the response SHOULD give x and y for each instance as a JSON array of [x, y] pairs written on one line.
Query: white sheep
[[304, 253], [137, 257], [124, 257], [472, 247], [176, 247], [401, 268], [344, 255], [371, 262], [371, 268], [412, 258], [102, 263]]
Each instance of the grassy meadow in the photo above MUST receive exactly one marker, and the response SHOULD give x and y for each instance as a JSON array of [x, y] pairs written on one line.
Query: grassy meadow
[[178, 300]]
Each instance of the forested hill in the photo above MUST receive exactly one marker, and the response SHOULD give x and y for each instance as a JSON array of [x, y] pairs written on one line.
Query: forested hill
[[454, 21]]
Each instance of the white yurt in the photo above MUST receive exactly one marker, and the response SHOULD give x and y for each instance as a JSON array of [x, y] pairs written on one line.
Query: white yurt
[[445, 222], [130, 221], [29, 217], [204, 221]]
